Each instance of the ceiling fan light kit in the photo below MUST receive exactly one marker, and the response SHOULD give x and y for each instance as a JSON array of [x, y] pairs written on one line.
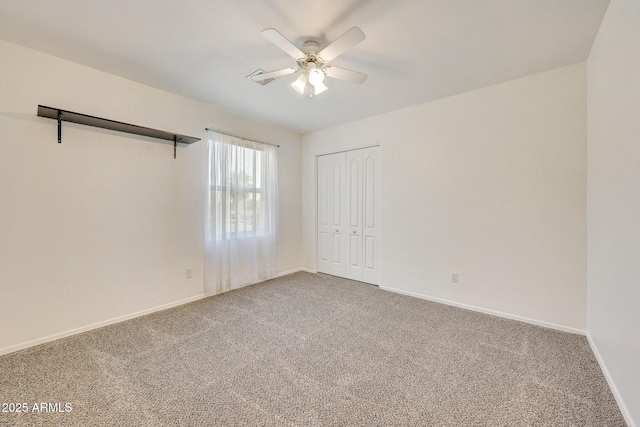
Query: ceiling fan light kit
[[312, 62], [310, 83]]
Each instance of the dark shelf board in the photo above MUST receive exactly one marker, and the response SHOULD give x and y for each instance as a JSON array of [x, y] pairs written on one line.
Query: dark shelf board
[[83, 119]]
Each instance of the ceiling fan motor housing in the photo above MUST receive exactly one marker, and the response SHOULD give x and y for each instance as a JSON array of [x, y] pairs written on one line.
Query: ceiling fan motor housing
[[310, 49], [310, 46]]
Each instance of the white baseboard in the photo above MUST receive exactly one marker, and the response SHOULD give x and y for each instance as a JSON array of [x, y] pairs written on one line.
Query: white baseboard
[[284, 273], [487, 311], [614, 390], [38, 341], [295, 270]]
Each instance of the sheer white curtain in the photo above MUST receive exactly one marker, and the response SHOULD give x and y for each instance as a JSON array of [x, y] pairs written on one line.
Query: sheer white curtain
[[240, 240]]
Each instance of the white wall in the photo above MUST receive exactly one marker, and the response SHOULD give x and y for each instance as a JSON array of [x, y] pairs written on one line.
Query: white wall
[[490, 184], [105, 224], [614, 201]]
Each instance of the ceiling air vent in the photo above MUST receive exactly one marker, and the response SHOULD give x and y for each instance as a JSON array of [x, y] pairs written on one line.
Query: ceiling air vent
[[260, 82]]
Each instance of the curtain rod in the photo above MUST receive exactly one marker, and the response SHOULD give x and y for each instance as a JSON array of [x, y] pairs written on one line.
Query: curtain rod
[[238, 136]]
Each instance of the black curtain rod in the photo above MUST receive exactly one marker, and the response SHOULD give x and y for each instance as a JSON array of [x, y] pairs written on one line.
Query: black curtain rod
[[238, 136]]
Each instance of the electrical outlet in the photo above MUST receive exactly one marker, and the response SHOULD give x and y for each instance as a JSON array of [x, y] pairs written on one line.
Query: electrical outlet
[[189, 273], [454, 277]]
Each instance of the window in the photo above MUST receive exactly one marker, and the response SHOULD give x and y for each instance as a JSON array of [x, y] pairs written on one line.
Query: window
[[237, 197], [241, 215]]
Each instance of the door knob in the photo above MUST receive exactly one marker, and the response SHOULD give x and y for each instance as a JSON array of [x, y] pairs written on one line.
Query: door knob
[[354, 231]]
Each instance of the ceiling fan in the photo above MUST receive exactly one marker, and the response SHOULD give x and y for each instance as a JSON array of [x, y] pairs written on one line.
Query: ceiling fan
[[313, 62]]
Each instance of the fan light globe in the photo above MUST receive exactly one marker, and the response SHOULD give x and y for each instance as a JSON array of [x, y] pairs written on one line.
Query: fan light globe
[[316, 77], [300, 84], [319, 88]]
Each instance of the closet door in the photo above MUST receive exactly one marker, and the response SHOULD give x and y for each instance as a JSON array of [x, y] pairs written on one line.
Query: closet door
[[371, 215], [332, 197], [324, 214], [349, 214], [354, 215], [338, 215]]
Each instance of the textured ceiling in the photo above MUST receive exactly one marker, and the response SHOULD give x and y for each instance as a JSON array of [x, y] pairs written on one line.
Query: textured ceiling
[[415, 51]]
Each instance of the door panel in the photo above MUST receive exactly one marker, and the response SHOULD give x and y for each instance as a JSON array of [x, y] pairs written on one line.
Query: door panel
[[371, 214], [355, 184], [324, 252], [355, 253], [338, 214], [324, 194], [370, 191], [324, 215], [338, 191], [337, 249], [354, 191], [370, 251]]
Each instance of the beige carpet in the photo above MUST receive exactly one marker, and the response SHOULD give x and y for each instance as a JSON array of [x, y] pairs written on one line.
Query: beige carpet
[[312, 350]]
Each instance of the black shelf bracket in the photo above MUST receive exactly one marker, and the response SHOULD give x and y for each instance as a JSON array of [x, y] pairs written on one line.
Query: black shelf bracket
[[83, 119], [59, 127]]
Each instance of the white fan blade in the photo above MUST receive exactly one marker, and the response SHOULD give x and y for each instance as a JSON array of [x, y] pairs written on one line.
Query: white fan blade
[[344, 74], [342, 44], [279, 40], [272, 74]]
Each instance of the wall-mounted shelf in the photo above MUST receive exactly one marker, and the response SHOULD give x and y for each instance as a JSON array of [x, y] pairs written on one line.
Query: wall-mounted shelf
[[83, 119]]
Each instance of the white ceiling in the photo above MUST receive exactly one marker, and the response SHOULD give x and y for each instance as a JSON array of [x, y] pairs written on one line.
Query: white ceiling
[[415, 51]]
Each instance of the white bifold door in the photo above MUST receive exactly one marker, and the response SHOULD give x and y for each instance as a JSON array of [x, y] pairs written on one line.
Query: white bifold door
[[349, 214]]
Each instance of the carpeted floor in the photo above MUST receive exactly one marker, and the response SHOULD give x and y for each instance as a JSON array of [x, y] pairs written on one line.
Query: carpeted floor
[[311, 350]]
